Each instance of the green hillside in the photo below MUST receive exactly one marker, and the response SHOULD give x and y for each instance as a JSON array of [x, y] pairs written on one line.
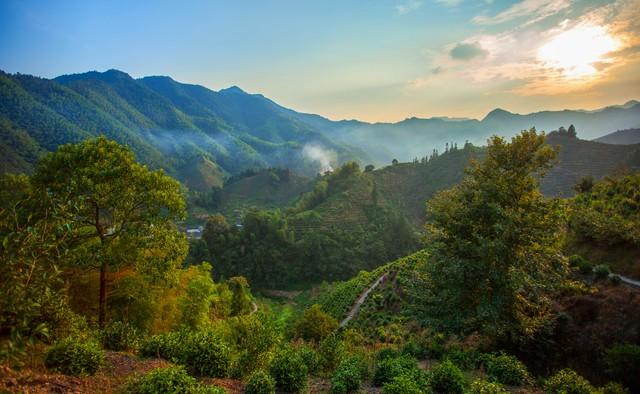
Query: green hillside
[[196, 134]]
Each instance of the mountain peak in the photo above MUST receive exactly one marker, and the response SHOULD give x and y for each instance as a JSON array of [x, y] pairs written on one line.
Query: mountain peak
[[497, 113], [109, 75], [233, 89]]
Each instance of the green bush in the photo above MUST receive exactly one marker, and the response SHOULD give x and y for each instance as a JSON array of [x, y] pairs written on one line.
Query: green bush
[[260, 382], [446, 378], [74, 356], [315, 324], [623, 365], [402, 385], [386, 353], [206, 354], [576, 260], [119, 336], [480, 386], [506, 369], [615, 280], [567, 381], [310, 357], [171, 380], [331, 351], [585, 267], [168, 346], [289, 371], [389, 368], [613, 388], [348, 376], [602, 271]]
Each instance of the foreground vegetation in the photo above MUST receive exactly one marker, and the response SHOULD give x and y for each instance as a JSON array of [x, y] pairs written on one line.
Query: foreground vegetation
[[489, 306]]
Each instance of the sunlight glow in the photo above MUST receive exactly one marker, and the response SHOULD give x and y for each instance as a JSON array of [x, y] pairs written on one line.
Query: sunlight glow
[[578, 51]]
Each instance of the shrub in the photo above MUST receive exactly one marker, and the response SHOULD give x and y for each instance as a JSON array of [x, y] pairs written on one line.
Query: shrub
[[576, 260], [390, 368], [74, 356], [348, 376], [615, 280], [119, 336], [260, 382], [480, 386], [172, 380], [623, 365], [402, 385], [567, 381], [168, 346], [315, 324], [206, 354], [289, 371], [602, 271], [506, 369], [446, 378], [613, 388], [331, 351], [464, 359], [385, 353], [310, 357], [585, 267]]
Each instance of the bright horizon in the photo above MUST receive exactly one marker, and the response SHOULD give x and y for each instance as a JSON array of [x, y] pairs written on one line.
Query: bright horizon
[[381, 62]]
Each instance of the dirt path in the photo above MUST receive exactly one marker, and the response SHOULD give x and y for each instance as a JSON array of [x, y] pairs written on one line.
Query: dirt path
[[363, 297], [630, 281]]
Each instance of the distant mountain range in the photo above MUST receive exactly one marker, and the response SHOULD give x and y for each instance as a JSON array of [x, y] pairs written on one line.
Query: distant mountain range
[[621, 137], [201, 136]]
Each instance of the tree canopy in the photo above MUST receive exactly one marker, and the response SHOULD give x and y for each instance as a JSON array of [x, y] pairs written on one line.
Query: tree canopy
[[495, 244]]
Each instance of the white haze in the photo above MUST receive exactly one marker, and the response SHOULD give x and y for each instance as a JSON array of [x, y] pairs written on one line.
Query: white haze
[[326, 158]]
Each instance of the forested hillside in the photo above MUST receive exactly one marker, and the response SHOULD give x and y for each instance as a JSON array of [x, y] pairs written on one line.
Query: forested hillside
[[202, 136]]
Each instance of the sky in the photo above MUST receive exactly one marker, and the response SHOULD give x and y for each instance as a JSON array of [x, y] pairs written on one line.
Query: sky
[[373, 60]]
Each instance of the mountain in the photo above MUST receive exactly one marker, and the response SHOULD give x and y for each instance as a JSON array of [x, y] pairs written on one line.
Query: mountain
[[198, 135], [202, 136], [621, 137], [387, 141]]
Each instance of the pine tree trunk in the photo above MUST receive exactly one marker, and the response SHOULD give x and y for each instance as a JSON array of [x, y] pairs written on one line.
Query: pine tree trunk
[[102, 306]]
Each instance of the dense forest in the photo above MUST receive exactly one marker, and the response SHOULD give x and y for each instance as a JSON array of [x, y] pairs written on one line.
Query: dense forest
[[451, 274]]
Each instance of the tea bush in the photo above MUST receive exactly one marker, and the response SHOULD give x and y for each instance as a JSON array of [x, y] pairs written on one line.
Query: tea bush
[[389, 368], [289, 371], [119, 336], [260, 382], [348, 376], [446, 378], [74, 356], [506, 369], [402, 385], [480, 386], [172, 380], [567, 381], [206, 354]]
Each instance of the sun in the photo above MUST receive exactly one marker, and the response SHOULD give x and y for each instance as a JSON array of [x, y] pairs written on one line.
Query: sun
[[577, 52]]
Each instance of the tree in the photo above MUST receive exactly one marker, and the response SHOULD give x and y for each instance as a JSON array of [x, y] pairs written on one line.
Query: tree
[[495, 256], [572, 131], [369, 168], [315, 324], [196, 301], [241, 303], [121, 212], [33, 244]]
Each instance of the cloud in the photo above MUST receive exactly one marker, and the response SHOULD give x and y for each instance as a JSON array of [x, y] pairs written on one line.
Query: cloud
[[535, 10], [549, 57], [408, 6], [467, 51]]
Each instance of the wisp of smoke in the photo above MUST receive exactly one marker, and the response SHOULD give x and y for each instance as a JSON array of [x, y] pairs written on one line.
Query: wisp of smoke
[[325, 158]]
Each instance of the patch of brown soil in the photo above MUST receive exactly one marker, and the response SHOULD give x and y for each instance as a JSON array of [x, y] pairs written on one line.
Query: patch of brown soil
[[117, 369]]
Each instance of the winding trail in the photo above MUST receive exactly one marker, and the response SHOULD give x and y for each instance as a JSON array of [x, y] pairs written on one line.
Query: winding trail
[[363, 297], [630, 281]]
